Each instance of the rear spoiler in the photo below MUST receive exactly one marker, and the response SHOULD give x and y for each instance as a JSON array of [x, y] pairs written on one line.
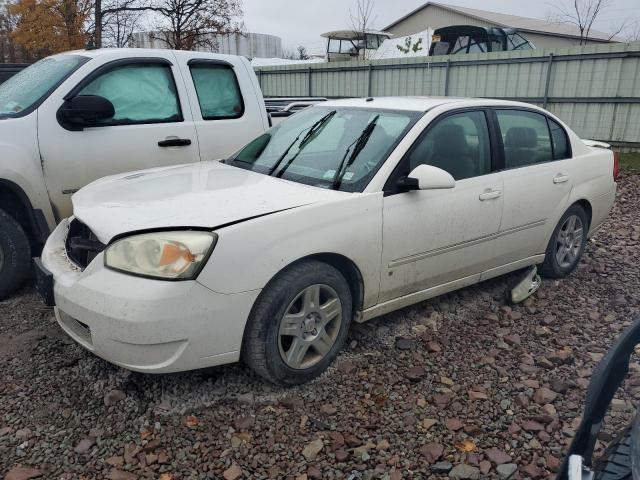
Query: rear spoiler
[[596, 144]]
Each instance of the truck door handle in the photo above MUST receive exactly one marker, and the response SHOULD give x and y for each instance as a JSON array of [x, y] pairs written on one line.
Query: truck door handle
[[174, 142], [490, 195], [560, 178]]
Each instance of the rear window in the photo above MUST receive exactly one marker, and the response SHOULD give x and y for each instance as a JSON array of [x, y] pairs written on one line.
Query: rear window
[[525, 136], [218, 91]]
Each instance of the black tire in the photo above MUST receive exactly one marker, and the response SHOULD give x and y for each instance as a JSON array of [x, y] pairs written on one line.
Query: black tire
[[616, 462], [261, 348], [551, 268], [15, 255]]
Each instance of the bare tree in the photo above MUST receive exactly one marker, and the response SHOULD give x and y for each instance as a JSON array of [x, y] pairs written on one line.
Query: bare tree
[[362, 19], [120, 21], [582, 14], [302, 53], [632, 32], [188, 24], [117, 19]]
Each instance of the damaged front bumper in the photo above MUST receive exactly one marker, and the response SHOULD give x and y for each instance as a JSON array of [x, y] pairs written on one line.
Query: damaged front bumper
[[142, 324]]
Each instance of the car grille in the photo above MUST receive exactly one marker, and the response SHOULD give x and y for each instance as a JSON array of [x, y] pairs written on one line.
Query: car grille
[[82, 245], [81, 330]]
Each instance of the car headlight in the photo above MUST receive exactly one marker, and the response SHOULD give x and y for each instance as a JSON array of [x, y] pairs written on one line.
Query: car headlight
[[162, 255]]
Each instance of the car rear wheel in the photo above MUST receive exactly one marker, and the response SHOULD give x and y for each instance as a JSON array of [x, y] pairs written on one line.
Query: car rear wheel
[[15, 255], [299, 324], [567, 244]]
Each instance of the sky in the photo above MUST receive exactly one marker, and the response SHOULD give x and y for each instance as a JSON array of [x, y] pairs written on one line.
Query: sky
[[300, 22]]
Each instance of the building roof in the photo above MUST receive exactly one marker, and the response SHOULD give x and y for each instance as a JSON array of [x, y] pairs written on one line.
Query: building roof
[[524, 24]]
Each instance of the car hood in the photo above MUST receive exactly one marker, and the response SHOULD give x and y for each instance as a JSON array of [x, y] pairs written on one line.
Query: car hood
[[202, 195]]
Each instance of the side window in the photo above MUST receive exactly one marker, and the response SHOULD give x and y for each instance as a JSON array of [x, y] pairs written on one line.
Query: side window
[[218, 91], [140, 93], [525, 136], [477, 44], [458, 143], [561, 149], [517, 42], [461, 45], [496, 45]]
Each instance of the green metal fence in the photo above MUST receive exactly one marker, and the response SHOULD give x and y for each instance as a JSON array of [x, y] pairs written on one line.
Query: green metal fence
[[595, 89]]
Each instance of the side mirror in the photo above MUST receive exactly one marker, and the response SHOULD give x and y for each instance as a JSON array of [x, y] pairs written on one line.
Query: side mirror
[[427, 177], [86, 111]]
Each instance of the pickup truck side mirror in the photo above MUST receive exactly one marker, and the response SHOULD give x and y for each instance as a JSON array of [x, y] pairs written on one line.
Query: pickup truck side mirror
[[427, 177], [85, 111]]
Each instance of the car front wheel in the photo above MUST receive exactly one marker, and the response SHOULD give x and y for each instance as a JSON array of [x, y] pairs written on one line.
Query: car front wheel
[[567, 244], [15, 255], [299, 324]]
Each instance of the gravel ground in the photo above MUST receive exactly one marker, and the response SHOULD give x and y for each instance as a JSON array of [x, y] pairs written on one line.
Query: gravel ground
[[462, 382]]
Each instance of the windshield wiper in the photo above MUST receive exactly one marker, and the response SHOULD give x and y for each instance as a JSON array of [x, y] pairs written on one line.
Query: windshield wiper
[[359, 143], [311, 131]]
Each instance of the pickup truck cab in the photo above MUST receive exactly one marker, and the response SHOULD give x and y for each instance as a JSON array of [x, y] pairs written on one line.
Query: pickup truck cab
[[75, 117]]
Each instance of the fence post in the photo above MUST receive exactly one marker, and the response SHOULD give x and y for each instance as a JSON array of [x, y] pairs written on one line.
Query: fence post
[[370, 80], [446, 78], [309, 82], [548, 82]]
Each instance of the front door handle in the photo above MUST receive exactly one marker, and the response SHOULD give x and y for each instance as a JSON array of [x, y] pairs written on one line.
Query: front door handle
[[490, 195], [174, 142], [560, 178]]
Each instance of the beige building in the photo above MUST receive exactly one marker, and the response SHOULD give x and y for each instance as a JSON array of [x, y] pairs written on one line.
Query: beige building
[[542, 33]]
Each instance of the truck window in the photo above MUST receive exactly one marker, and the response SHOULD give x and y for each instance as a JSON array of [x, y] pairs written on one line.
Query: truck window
[[140, 93], [218, 91]]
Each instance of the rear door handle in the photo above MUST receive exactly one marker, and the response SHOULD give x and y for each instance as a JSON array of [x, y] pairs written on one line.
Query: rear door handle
[[174, 142], [490, 195], [560, 178]]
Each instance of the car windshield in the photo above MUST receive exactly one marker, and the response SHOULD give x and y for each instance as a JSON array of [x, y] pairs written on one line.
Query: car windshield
[[336, 148], [31, 86]]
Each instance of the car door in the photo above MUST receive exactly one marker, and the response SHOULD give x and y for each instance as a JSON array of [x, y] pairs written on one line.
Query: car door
[[228, 109], [152, 127], [434, 237], [537, 181]]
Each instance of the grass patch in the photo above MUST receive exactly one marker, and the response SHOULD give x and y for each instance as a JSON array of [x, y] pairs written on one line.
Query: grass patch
[[630, 162]]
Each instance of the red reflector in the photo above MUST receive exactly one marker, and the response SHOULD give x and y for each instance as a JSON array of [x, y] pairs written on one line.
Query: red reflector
[[616, 165]]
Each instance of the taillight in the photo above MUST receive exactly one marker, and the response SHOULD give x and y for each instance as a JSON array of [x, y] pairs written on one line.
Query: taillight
[[616, 166]]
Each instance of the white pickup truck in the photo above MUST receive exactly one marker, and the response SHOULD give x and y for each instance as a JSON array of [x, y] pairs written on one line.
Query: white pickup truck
[[79, 116]]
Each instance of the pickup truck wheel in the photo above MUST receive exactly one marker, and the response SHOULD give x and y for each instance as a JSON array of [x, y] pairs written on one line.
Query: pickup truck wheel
[[299, 324], [15, 255], [567, 244]]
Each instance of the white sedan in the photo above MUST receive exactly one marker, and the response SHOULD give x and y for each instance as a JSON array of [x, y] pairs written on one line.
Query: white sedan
[[344, 212]]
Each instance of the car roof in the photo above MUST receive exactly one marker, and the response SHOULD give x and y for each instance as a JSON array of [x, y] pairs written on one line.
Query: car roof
[[419, 104], [144, 52]]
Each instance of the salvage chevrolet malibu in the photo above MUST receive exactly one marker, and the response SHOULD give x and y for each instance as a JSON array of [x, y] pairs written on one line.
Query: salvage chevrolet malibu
[[342, 213]]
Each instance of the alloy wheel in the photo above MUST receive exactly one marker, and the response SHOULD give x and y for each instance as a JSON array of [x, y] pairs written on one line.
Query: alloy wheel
[[569, 241], [310, 327]]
